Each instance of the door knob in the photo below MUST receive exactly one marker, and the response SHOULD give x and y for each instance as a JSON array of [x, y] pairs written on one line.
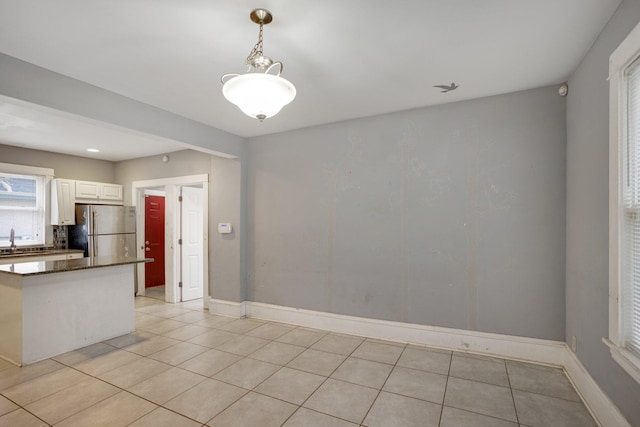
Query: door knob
[[147, 249], [146, 242]]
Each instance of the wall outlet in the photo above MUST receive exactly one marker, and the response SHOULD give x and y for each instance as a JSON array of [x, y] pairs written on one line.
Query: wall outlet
[[574, 343]]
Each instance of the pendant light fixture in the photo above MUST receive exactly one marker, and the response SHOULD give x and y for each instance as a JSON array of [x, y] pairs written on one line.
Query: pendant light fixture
[[257, 93]]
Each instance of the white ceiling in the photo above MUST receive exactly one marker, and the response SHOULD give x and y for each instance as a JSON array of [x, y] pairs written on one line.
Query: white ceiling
[[24, 124], [347, 59]]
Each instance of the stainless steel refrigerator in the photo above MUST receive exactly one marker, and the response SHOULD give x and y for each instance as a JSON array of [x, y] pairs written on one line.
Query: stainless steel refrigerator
[[103, 230]]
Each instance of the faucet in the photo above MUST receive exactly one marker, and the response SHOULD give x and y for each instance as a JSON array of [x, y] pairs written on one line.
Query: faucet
[[12, 239]]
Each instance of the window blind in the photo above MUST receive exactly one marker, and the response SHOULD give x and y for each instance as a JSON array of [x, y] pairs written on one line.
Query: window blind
[[21, 208], [631, 199]]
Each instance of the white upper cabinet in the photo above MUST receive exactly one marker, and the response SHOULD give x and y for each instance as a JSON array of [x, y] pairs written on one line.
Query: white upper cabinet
[[111, 192], [98, 192], [63, 199], [87, 190], [65, 193]]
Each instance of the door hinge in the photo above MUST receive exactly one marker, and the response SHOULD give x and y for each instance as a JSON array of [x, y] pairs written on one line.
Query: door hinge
[[179, 284], [179, 198], [179, 241]]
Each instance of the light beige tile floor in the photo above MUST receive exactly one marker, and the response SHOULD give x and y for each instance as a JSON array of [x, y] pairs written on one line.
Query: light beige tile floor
[[185, 367], [155, 292]]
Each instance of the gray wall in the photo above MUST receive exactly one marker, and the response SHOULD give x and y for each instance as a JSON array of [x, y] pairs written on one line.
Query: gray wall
[[181, 163], [587, 213], [227, 259], [450, 216], [64, 166], [225, 205]]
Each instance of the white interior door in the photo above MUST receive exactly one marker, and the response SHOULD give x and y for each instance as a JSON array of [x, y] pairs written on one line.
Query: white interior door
[[192, 222]]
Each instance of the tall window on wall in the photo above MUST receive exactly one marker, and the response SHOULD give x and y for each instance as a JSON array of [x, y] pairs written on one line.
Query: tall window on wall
[[624, 206], [22, 204], [631, 212]]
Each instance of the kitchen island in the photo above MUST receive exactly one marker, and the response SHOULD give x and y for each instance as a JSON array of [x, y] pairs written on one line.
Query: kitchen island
[[51, 307]]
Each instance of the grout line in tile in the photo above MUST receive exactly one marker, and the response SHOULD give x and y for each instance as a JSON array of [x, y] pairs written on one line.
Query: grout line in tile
[[29, 412], [477, 381], [444, 395], [483, 415], [225, 408], [319, 412], [127, 391], [513, 399], [329, 376], [552, 397], [133, 394], [383, 384]]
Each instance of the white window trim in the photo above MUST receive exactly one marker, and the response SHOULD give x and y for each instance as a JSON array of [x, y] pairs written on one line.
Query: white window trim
[[25, 170], [48, 175], [626, 53]]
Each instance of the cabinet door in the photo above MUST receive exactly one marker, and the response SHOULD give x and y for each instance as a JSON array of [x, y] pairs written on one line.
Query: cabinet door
[[87, 190], [110, 192], [63, 202]]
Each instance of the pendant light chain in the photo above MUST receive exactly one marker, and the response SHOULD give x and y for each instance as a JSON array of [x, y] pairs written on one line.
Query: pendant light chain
[[257, 49]]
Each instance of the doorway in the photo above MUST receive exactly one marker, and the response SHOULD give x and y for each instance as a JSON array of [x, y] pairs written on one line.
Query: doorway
[[185, 236], [154, 241]]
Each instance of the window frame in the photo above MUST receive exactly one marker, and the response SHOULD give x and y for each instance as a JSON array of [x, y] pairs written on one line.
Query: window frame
[[624, 56], [42, 199]]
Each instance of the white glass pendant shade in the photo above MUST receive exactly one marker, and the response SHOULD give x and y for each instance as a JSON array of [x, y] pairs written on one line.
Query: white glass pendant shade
[[259, 95]]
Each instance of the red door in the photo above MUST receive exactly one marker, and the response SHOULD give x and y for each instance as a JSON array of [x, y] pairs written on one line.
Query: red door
[[154, 240]]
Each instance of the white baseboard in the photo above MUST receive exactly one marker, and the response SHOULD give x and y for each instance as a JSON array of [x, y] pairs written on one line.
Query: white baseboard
[[534, 350], [601, 407], [227, 308], [513, 347]]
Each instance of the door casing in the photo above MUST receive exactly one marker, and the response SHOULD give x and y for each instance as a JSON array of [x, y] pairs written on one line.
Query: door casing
[[171, 188]]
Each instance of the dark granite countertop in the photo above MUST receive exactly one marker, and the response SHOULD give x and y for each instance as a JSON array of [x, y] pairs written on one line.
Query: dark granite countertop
[[34, 252], [48, 267]]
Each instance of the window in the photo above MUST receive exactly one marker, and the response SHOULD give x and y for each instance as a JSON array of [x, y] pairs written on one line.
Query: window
[[631, 210], [22, 204], [624, 205]]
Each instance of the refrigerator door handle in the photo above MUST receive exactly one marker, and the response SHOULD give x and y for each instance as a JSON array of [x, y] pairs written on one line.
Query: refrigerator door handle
[[95, 232]]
